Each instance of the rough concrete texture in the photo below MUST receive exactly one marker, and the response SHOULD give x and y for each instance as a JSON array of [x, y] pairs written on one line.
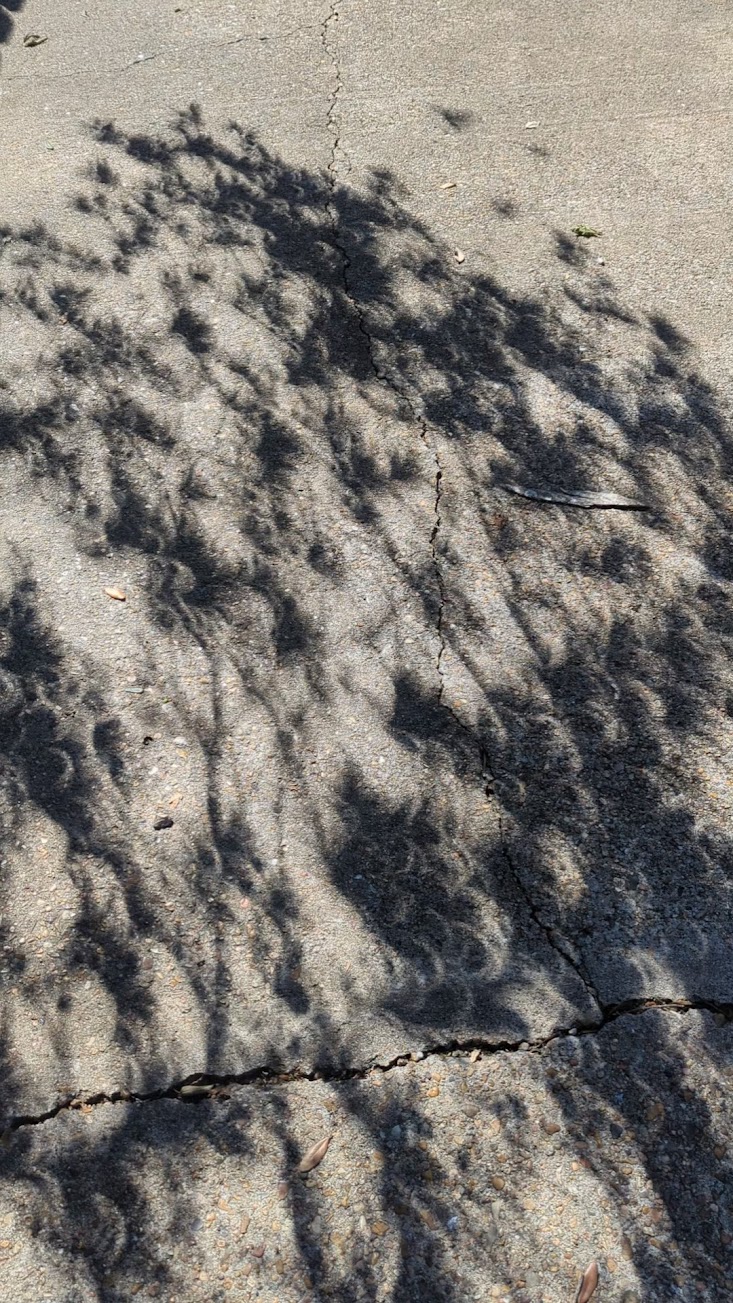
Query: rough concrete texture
[[375, 758], [457, 1177]]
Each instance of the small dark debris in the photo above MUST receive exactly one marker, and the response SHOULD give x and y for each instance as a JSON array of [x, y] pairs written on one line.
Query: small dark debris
[[165, 822], [33, 38]]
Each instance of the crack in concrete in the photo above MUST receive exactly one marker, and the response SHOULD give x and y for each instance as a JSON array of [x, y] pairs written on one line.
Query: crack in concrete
[[555, 939], [334, 172], [557, 942], [402, 392], [199, 1086], [438, 569], [332, 126]]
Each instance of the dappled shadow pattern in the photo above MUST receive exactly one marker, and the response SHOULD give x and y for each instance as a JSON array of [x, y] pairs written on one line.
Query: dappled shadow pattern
[[282, 414]]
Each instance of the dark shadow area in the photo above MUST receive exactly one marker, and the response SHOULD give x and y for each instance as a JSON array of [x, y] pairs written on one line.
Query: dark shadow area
[[505, 207], [231, 389], [8, 14], [458, 119]]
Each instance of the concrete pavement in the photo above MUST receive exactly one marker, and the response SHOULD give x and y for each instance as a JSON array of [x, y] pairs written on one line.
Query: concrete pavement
[[320, 749]]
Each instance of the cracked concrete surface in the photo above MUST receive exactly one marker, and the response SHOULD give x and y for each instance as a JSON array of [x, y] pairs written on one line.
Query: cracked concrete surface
[[385, 806], [446, 1175], [202, 1086]]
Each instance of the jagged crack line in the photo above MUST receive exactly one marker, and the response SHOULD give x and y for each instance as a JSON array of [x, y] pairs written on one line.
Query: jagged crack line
[[331, 117], [555, 939], [438, 570], [213, 1087], [403, 393], [332, 172]]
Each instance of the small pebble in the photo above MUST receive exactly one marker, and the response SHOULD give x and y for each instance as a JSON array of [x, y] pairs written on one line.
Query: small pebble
[[498, 1182]]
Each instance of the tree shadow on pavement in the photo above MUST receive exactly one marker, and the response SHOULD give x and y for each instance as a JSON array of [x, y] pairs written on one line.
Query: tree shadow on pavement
[[368, 691], [8, 10]]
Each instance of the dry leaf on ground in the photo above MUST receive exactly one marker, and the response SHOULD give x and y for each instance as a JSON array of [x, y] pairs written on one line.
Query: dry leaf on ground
[[314, 1156], [588, 1283], [196, 1090], [576, 497]]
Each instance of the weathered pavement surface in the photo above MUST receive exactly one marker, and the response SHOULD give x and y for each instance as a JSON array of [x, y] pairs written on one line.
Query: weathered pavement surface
[[287, 294]]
